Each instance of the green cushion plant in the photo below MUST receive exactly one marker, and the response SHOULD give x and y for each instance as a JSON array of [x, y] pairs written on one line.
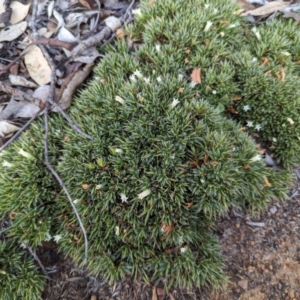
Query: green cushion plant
[[164, 161], [19, 277]]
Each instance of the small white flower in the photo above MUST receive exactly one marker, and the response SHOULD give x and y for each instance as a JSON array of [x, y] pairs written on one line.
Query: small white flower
[[147, 79], [233, 25], [123, 198], [274, 140], [174, 103], [180, 76], [137, 12], [215, 10], [256, 32], [208, 25], [183, 249], [222, 34], [117, 230], [250, 124], [255, 158], [57, 238], [98, 186], [246, 108], [120, 100], [132, 78], [26, 154], [214, 92], [48, 237], [76, 201], [117, 150], [138, 74], [173, 156], [193, 84], [206, 5], [254, 59], [144, 194], [285, 53], [7, 164], [23, 245], [290, 121], [157, 47], [159, 79], [257, 127]]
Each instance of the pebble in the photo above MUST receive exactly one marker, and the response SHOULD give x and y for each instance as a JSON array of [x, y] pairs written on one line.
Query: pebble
[[243, 284], [273, 210], [291, 294]]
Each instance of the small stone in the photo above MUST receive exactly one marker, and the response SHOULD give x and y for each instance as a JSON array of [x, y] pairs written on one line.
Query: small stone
[[93, 297], [291, 294], [273, 210], [237, 225], [243, 284]]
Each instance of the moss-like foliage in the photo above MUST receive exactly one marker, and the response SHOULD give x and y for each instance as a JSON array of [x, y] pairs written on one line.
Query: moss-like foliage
[[19, 277], [243, 69], [164, 161]]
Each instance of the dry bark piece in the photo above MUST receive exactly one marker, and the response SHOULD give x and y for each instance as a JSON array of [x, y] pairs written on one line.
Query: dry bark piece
[[293, 15], [196, 75], [37, 66], [21, 81], [267, 9]]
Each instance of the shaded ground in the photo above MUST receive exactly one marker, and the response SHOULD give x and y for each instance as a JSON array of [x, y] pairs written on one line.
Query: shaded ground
[[262, 263]]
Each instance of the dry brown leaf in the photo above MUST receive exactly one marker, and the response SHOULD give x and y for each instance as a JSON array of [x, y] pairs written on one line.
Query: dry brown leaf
[[267, 9], [282, 72], [154, 295], [237, 98], [171, 296], [246, 167], [293, 15], [214, 163], [245, 5], [196, 75], [167, 228], [180, 90], [85, 186], [150, 3], [267, 183], [120, 33], [233, 110], [265, 60]]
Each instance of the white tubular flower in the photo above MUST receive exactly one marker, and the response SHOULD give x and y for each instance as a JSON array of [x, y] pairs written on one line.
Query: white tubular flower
[[144, 194], [214, 92], [48, 237], [26, 154], [7, 164], [174, 103], [147, 79], [183, 249], [132, 78], [57, 238], [208, 25], [117, 230], [290, 121], [255, 158], [193, 84], [159, 79], [246, 108], [124, 198], [120, 100], [98, 186], [250, 124], [137, 12], [256, 32], [257, 127], [117, 150], [157, 47], [138, 74]]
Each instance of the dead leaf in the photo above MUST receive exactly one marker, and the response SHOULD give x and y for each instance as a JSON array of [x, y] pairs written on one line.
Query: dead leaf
[[265, 60], [70, 85], [246, 167], [196, 75], [154, 295], [267, 183], [12, 32], [6, 128], [160, 292], [85, 186], [293, 15], [214, 163], [21, 81], [167, 228], [233, 110], [19, 11], [238, 98], [120, 33], [180, 90], [267, 9], [245, 5], [150, 3], [37, 66], [171, 296]]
